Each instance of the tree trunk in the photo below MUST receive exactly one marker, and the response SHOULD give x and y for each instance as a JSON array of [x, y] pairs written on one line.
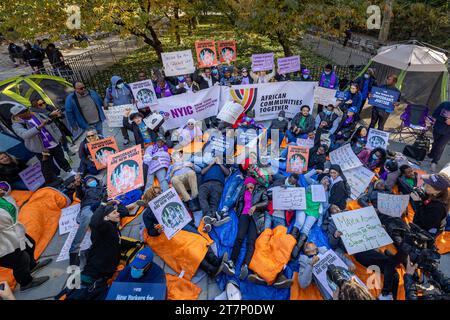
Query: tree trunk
[[383, 36], [190, 27], [177, 25], [284, 42]]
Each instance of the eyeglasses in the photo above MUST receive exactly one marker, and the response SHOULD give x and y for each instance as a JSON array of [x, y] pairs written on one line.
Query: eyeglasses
[[190, 124], [41, 104], [91, 136]]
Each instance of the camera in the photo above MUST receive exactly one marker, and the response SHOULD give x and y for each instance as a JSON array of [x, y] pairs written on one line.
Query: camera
[[419, 191], [338, 275]]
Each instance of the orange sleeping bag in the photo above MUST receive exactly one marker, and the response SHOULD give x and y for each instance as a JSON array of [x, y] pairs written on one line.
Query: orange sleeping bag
[[181, 289]]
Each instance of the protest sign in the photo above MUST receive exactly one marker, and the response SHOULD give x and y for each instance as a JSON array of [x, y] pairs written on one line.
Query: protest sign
[[227, 50], [307, 143], [341, 95], [178, 63], [153, 120], [100, 151], [32, 176], [297, 159], [361, 230], [262, 62], [178, 109], [345, 157], [391, 204], [230, 112], [170, 212], [218, 146], [383, 98], [144, 93], [377, 139], [318, 193], [206, 53], [268, 99], [358, 179], [125, 171], [136, 291], [85, 244], [68, 219], [288, 64], [324, 96], [289, 198], [114, 115], [162, 161]]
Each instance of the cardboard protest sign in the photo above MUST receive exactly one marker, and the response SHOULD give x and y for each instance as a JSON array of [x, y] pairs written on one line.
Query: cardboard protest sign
[[144, 93], [178, 109], [85, 244], [100, 151], [218, 146], [230, 112], [383, 98], [68, 219], [125, 171], [324, 96], [289, 198], [206, 53], [178, 63], [318, 193], [377, 139], [391, 204], [262, 62], [136, 291], [153, 120], [297, 159], [345, 157], [361, 230], [358, 179], [307, 143], [162, 161], [288, 64], [32, 176], [341, 95], [170, 212], [114, 115], [227, 50]]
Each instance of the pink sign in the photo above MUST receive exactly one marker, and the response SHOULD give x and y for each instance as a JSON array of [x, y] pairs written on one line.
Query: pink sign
[[288, 64], [262, 62]]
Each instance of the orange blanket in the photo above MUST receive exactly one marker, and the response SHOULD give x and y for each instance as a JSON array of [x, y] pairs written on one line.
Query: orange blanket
[[272, 252], [40, 215], [181, 289]]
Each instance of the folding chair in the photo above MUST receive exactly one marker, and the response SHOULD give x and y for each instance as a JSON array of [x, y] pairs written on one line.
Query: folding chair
[[415, 123]]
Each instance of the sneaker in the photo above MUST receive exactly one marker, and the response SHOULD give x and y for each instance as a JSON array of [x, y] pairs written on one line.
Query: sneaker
[[222, 264], [35, 282], [207, 228], [74, 259], [232, 291], [229, 268], [41, 264], [254, 278], [209, 220], [385, 297], [244, 272], [433, 167], [126, 141], [221, 221], [282, 282]]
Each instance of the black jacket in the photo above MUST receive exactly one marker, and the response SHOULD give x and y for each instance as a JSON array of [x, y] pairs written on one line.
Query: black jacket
[[91, 196], [133, 127], [403, 187], [329, 227], [339, 194], [260, 200], [430, 215], [150, 221], [10, 172], [316, 161], [309, 123]]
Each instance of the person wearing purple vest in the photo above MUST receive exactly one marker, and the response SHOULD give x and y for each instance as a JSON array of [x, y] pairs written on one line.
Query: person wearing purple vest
[[164, 89], [328, 79]]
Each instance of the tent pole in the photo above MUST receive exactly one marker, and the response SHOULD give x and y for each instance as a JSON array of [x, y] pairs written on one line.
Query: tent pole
[[401, 77], [444, 87]]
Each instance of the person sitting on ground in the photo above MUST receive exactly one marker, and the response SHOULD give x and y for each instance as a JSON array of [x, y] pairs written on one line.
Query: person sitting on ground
[[250, 207], [339, 188], [157, 159], [233, 191], [407, 180], [359, 140], [281, 124], [182, 175], [391, 173], [301, 124], [10, 167], [190, 132], [328, 120], [352, 99], [373, 159], [16, 246], [318, 153], [142, 134], [87, 165]]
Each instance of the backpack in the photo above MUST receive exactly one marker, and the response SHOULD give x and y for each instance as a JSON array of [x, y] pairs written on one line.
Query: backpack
[[419, 149], [133, 247]]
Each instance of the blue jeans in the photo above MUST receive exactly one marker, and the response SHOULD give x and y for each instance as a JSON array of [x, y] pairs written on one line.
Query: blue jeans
[[304, 222], [271, 221], [83, 220], [18, 185], [292, 137], [99, 127], [161, 176], [233, 192]]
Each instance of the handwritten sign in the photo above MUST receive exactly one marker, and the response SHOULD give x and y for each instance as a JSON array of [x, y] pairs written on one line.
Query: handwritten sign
[[361, 230], [68, 219], [85, 244], [144, 93], [358, 179], [114, 115], [297, 159], [377, 139], [318, 193], [391, 204], [178, 63], [230, 112], [345, 157], [383, 98], [307, 143], [170, 212], [100, 151], [289, 198], [288, 64], [32, 176], [324, 96], [262, 62]]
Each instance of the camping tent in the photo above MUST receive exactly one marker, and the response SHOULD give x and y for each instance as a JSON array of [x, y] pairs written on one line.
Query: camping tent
[[422, 72]]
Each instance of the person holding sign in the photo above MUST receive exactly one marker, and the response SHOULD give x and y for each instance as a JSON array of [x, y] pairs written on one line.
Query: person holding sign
[[142, 134], [346, 129], [262, 76], [328, 120], [87, 166], [157, 159], [352, 100], [301, 124], [365, 83], [328, 79], [339, 188], [380, 115]]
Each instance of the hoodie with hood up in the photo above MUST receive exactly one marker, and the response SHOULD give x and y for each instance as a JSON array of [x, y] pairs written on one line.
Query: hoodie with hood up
[[118, 96]]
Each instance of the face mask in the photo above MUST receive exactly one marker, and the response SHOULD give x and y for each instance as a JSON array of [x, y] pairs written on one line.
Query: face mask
[[280, 118], [305, 76], [327, 112], [137, 273], [327, 72], [366, 76], [120, 86], [91, 184], [374, 157], [180, 78]]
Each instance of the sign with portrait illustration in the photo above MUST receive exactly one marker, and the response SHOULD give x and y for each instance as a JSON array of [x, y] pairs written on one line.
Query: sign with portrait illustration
[[377, 139], [125, 171], [170, 212], [100, 151], [144, 93], [227, 50], [206, 53], [297, 159]]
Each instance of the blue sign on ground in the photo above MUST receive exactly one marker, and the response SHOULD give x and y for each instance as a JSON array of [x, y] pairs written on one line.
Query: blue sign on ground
[[137, 291]]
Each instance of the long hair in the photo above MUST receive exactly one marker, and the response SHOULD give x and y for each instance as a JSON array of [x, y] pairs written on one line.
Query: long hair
[[13, 159], [151, 194], [353, 290]]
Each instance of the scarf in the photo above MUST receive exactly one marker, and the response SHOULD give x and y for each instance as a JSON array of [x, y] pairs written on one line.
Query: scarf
[[167, 92], [9, 207], [45, 136], [332, 82]]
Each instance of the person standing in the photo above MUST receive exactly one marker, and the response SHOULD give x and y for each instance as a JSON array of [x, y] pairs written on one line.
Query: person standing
[[84, 109], [441, 133], [328, 79], [380, 115], [35, 58], [15, 52], [365, 83]]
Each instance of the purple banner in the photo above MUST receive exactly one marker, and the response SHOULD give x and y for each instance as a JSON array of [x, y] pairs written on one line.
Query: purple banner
[[288, 64], [262, 62]]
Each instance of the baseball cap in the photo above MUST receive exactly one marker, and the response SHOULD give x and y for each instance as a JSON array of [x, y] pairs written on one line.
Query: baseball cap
[[17, 109], [142, 259], [438, 181]]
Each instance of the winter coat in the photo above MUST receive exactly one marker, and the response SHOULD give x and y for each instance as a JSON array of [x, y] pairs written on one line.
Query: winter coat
[[260, 200], [74, 115]]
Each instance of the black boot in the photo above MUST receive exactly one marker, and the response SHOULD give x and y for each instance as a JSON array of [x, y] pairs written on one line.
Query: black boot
[[74, 259], [212, 258], [208, 268], [295, 232], [298, 247]]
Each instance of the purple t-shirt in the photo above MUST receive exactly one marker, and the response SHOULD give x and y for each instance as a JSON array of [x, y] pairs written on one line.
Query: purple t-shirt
[[247, 202]]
